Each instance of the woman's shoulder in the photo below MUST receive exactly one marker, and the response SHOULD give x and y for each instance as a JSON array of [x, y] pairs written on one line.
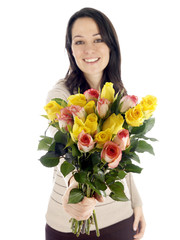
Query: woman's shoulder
[[59, 90], [60, 86]]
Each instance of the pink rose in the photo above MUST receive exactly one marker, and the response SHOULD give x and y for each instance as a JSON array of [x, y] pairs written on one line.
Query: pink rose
[[91, 94], [112, 154], [103, 107], [77, 111], [122, 139], [65, 118], [85, 142], [128, 102]]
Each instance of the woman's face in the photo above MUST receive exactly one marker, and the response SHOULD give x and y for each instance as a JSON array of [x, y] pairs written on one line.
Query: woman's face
[[90, 52]]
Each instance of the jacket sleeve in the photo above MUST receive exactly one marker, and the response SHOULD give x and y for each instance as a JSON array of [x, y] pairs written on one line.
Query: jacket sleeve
[[135, 197]]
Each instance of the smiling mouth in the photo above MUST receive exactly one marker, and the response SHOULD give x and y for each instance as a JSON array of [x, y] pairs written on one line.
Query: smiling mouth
[[91, 60]]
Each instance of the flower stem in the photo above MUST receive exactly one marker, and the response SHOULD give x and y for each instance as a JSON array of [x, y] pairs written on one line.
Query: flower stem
[[88, 226], [76, 227], [83, 227], [88, 191], [79, 229], [96, 225]]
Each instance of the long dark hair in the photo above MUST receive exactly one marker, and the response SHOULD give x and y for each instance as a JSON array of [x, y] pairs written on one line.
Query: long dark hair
[[74, 78]]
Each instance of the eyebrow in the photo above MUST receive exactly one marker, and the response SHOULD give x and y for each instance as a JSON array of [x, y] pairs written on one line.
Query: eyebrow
[[76, 36]]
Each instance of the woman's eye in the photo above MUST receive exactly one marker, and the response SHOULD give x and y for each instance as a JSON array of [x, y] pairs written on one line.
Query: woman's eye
[[98, 40], [79, 42]]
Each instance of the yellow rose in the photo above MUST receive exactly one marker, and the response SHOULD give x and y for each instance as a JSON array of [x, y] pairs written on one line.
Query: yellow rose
[[52, 108], [102, 137], [89, 107], [91, 122], [108, 91], [77, 99], [114, 123], [78, 127], [134, 116], [148, 104]]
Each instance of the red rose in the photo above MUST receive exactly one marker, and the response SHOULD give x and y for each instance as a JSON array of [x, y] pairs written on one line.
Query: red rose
[[128, 102], [85, 142], [112, 154], [65, 118], [122, 139], [91, 94], [77, 111], [102, 107]]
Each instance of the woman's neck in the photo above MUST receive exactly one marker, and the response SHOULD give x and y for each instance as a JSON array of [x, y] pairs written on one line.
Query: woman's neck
[[94, 81]]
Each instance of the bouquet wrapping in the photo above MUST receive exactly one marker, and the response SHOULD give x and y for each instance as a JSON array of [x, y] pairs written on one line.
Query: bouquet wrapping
[[99, 134]]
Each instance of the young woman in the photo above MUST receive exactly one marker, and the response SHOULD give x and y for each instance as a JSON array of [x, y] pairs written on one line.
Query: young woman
[[94, 55]]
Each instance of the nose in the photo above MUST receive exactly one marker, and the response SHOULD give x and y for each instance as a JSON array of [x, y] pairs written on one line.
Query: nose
[[89, 48]]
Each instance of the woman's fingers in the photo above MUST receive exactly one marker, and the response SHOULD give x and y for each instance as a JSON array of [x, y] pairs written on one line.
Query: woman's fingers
[[98, 197], [139, 224]]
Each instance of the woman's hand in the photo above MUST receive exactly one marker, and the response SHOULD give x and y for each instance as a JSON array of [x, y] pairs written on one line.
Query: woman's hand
[[82, 210], [139, 224]]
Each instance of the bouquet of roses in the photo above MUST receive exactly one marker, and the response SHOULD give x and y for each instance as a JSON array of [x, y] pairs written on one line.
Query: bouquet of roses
[[99, 134]]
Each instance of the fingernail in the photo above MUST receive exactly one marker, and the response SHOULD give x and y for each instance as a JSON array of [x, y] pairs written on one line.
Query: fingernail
[[135, 228]]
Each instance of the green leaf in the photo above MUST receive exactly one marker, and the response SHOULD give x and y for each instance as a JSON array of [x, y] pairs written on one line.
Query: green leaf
[[144, 147], [116, 187], [100, 185], [138, 130], [52, 147], [60, 137], [99, 175], [60, 101], [92, 186], [133, 168], [50, 159], [76, 195], [143, 129], [134, 156], [95, 158], [44, 143], [121, 174], [110, 177], [55, 124], [66, 168], [45, 116], [133, 146], [115, 105], [81, 177], [75, 151], [116, 197], [117, 193], [151, 139]]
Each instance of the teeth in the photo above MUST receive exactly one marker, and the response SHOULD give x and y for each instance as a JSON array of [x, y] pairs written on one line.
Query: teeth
[[91, 60]]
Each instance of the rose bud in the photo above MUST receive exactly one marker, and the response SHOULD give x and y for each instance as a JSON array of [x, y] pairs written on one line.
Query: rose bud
[[77, 111], [128, 102], [85, 142], [102, 107], [122, 139], [52, 108], [108, 91], [112, 154], [65, 118], [148, 104], [91, 94]]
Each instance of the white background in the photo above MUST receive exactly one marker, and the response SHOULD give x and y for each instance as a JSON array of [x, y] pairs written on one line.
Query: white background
[[33, 58]]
